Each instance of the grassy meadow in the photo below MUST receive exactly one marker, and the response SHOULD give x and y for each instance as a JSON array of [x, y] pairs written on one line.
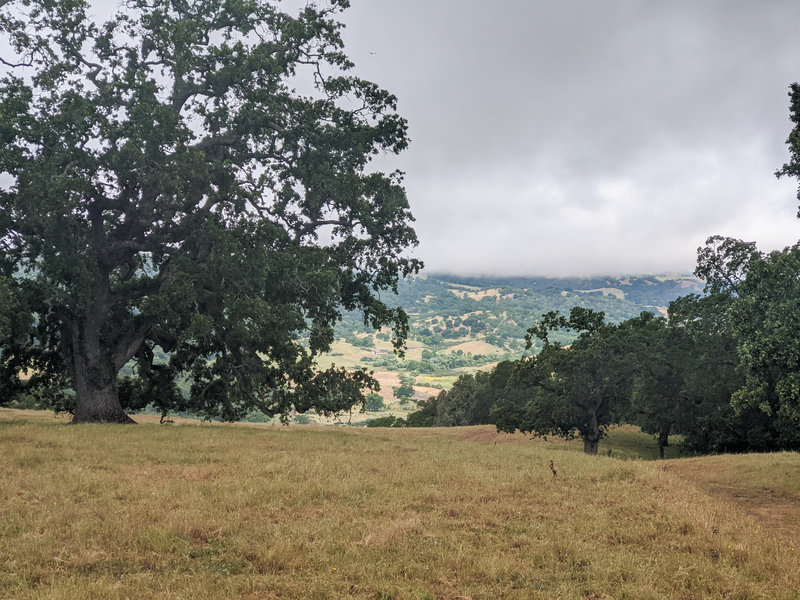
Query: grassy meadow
[[196, 511]]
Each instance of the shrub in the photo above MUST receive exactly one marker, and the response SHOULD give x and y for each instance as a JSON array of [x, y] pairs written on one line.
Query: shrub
[[374, 403]]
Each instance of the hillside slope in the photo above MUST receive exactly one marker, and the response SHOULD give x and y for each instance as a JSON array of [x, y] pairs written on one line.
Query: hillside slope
[[500, 310], [459, 325], [227, 511]]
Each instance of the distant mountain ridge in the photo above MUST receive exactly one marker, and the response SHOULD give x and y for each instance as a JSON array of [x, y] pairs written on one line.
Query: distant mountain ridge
[[643, 290], [445, 309]]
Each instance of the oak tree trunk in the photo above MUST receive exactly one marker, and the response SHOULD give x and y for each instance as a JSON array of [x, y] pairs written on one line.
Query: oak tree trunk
[[663, 442], [591, 435], [96, 397], [590, 445], [94, 372]]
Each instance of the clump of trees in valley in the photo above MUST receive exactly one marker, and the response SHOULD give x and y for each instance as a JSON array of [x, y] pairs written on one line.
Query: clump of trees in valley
[[166, 191]]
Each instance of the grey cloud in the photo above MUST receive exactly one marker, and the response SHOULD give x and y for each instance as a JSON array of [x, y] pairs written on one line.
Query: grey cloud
[[577, 137]]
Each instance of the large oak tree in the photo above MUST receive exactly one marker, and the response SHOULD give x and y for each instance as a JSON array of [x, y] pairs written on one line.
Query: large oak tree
[[193, 179]]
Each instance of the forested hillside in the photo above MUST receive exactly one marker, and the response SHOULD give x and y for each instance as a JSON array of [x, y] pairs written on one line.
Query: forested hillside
[[464, 325], [445, 309]]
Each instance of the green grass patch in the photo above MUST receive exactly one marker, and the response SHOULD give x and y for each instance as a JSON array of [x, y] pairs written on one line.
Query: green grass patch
[[628, 442]]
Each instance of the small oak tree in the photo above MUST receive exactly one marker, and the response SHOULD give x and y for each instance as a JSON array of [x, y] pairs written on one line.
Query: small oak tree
[[569, 392], [192, 179]]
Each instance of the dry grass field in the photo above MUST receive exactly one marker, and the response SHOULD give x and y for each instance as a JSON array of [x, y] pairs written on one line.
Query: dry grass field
[[201, 511]]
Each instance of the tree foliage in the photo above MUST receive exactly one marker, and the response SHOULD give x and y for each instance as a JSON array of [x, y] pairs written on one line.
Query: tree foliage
[[657, 356], [374, 402], [425, 415], [761, 316], [454, 406], [172, 191], [403, 391], [766, 322], [684, 374], [723, 263], [712, 374], [568, 392], [792, 168]]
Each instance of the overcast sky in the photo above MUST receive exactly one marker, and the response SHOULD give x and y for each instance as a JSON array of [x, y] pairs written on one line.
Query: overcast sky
[[578, 137], [566, 137]]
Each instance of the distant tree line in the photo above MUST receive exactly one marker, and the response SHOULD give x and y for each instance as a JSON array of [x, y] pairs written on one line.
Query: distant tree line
[[432, 362]]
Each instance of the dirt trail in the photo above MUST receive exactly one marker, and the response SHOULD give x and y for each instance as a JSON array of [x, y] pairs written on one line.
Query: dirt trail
[[777, 509]]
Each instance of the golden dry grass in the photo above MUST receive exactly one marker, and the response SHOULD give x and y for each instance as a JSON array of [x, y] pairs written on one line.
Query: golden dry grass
[[225, 511], [765, 485], [443, 381]]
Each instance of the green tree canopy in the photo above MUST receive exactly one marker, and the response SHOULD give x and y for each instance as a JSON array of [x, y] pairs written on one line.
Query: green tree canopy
[[684, 372], [425, 415], [792, 168], [194, 177], [766, 322], [657, 354], [404, 390], [454, 406], [709, 369], [568, 392], [374, 402]]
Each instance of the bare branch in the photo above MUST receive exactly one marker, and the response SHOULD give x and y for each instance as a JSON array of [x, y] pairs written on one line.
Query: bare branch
[[130, 344], [29, 63]]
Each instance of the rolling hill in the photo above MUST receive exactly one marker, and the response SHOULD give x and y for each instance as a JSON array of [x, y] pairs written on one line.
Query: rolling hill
[[461, 324]]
